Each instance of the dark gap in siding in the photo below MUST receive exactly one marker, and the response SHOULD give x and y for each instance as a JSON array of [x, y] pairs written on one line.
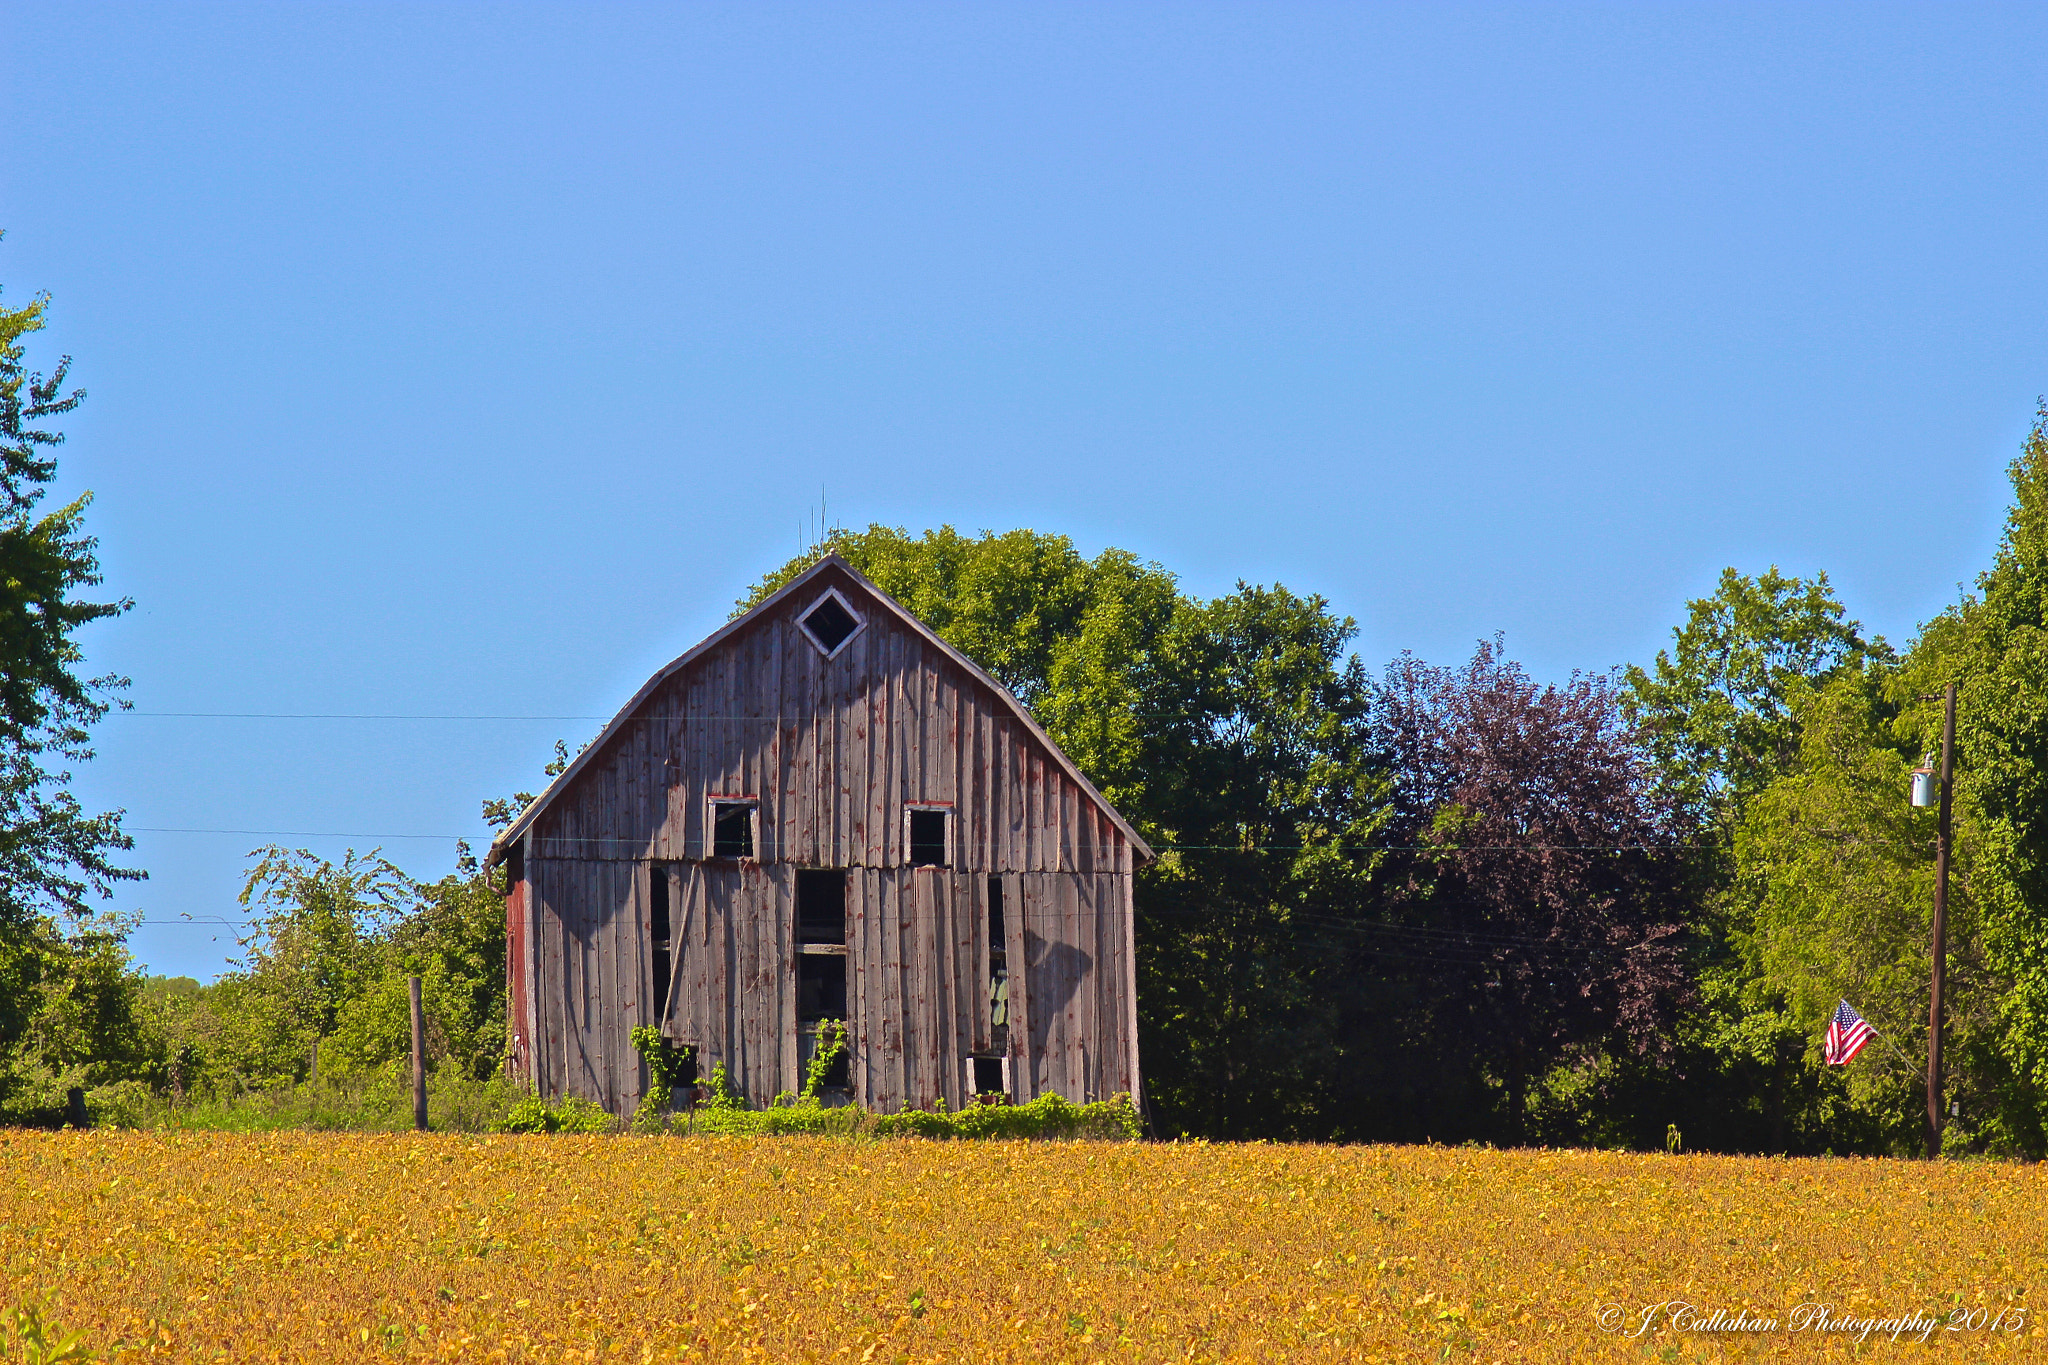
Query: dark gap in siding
[[657, 908]]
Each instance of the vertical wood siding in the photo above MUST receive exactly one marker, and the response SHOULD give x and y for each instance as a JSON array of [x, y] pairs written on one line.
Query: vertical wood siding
[[833, 751]]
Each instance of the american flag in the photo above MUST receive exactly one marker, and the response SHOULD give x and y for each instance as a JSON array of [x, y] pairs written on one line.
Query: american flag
[[1848, 1031]]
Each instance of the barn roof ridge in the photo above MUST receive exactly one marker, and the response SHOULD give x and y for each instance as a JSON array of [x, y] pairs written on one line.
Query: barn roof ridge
[[832, 559]]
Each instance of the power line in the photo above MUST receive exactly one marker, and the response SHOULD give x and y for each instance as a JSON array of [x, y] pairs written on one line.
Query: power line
[[1174, 848], [348, 715], [287, 833]]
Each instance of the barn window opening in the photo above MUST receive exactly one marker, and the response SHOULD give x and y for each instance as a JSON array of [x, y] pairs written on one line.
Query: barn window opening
[[657, 917], [820, 986], [732, 828], [836, 1087], [830, 623], [821, 971], [820, 906], [998, 935], [990, 1076], [928, 830]]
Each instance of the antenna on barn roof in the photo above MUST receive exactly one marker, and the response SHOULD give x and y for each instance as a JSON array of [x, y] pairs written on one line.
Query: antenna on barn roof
[[815, 530]]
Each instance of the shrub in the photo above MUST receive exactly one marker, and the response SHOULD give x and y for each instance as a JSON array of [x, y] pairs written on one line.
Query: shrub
[[1047, 1117], [532, 1114]]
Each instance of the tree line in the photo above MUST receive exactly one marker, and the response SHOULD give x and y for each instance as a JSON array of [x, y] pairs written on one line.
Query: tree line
[[1432, 902]]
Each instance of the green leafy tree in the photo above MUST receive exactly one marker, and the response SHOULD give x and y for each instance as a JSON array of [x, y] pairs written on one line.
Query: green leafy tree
[[453, 939], [1832, 872], [313, 949], [1832, 898], [1994, 646], [62, 1007], [1718, 710], [82, 1018], [53, 855], [329, 954], [1267, 798], [1723, 714]]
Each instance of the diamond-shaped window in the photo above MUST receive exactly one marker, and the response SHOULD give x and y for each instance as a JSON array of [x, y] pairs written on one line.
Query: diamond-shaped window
[[829, 624]]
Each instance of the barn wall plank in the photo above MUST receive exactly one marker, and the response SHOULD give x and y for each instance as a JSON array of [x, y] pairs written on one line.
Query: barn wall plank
[[859, 806], [546, 971], [782, 768], [881, 999], [899, 1003], [693, 694], [1087, 965], [796, 689], [862, 1014], [920, 907], [605, 973], [900, 723], [782, 973], [1126, 985]]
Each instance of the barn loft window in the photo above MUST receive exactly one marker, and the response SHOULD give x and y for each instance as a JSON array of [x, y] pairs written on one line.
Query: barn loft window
[[830, 623], [928, 831], [732, 828]]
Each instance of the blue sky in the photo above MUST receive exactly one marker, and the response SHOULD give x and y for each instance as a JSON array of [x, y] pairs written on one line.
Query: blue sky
[[470, 361]]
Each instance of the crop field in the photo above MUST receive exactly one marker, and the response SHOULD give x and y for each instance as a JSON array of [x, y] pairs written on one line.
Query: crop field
[[301, 1246]]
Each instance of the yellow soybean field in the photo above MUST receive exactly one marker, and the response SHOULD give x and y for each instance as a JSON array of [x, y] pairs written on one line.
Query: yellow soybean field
[[308, 1246]]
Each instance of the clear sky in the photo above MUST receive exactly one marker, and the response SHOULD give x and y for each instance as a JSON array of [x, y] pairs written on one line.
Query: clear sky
[[471, 361]]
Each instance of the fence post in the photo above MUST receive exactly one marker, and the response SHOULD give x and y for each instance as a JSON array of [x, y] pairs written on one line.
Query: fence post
[[419, 1061]]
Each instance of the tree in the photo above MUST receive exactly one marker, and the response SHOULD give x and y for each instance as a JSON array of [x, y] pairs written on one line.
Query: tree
[[52, 854], [1832, 899], [1267, 800], [1540, 870], [61, 1004], [1719, 711], [1724, 714], [1994, 646], [1831, 872]]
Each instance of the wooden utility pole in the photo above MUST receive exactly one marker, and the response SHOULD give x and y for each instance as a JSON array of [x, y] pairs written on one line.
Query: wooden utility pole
[[419, 1060], [1940, 945]]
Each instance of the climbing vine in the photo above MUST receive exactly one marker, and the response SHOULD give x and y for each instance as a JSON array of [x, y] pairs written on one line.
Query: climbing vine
[[668, 1067], [831, 1047]]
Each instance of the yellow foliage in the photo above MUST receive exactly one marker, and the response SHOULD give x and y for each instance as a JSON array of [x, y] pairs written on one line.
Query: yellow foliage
[[299, 1246]]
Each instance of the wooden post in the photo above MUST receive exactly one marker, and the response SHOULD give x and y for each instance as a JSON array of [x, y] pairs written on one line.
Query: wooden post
[[1940, 945], [419, 1061]]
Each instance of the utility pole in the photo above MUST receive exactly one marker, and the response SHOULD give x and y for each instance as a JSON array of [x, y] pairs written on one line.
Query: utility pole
[[1940, 945], [419, 1060]]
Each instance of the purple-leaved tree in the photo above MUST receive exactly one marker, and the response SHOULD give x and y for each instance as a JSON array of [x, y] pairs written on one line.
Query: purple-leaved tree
[[1539, 868]]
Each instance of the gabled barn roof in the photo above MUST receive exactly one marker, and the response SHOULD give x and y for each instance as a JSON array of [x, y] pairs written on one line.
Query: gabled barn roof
[[733, 627]]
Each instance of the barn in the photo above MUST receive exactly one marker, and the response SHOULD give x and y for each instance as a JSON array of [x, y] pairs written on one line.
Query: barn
[[824, 812]]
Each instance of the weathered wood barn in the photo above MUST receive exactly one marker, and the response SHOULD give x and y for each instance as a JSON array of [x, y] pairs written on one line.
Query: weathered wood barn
[[824, 811]]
